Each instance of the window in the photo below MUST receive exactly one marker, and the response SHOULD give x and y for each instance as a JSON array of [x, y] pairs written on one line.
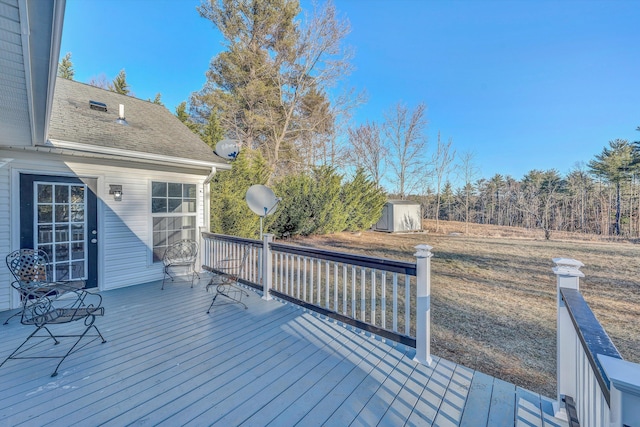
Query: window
[[173, 208]]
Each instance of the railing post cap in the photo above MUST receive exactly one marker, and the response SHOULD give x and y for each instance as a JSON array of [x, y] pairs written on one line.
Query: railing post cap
[[568, 267], [423, 251]]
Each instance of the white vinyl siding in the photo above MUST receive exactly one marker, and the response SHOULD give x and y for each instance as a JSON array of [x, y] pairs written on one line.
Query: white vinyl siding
[[125, 237]]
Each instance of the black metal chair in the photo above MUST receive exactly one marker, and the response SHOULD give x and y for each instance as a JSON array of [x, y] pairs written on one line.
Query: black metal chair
[[29, 268], [227, 274], [181, 254], [46, 306]]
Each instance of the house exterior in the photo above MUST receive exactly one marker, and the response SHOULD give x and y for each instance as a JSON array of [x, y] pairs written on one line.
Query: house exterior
[[400, 216], [102, 196]]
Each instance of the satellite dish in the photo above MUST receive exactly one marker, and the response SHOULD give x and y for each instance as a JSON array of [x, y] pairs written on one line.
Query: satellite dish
[[261, 200], [228, 148]]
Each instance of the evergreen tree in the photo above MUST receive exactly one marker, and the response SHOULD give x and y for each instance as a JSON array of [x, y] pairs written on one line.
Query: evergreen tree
[[616, 165], [230, 213], [119, 84], [363, 201], [268, 86], [158, 99], [65, 67]]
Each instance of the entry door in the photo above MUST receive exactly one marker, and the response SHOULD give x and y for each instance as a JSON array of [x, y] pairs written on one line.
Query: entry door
[[59, 216]]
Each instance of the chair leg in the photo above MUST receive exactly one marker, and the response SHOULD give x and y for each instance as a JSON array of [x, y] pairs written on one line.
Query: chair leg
[[55, 372], [12, 316]]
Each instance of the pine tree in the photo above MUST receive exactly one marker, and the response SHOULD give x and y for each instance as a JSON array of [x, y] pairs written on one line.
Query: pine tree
[[158, 99], [65, 67], [119, 84]]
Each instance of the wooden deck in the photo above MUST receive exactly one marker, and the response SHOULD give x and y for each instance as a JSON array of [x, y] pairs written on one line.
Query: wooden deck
[[167, 362]]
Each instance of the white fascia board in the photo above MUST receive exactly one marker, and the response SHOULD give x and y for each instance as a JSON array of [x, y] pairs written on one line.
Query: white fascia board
[[56, 41], [127, 154]]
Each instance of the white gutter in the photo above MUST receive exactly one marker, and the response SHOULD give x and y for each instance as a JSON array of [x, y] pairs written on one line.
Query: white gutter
[[100, 152], [210, 176], [25, 31]]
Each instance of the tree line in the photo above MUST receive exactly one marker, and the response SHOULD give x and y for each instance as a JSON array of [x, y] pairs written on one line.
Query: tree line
[[601, 197]]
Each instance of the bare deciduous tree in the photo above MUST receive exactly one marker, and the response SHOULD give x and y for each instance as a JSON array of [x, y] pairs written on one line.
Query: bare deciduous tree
[[467, 172], [441, 162], [367, 150], [406, 140]]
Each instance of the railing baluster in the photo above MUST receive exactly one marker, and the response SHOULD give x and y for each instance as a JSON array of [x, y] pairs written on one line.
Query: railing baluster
[[327, 282], [353, 291], [363, 300], [319, 287], [407, 305], [395, 302], [336, 286], [344, 289], [383, 301], [373, 296]]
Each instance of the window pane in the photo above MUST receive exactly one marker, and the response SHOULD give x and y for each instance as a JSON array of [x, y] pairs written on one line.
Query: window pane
[[45, 234], [77, 250], [77, 270], [62, 194], [62, 271], [158, 253], [77, 194], [77, 213], [158, 189], [62, 252], [175, 205], [191, 205], [158, 205], [77, 232], [159, 238], [174, 236], [62, 213], [62, 233], [44, 193], [189, 221], [175, 190], [45, 213], [159, 223], [190, 191]]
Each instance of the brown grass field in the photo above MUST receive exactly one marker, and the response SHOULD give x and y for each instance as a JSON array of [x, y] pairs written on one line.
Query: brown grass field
[[494, 293]]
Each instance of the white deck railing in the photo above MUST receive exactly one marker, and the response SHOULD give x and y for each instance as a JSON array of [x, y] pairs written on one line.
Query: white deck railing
[[387, 297], [591, 374]]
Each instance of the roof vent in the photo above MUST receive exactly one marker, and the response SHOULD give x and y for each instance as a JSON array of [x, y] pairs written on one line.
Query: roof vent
[[100, 106]]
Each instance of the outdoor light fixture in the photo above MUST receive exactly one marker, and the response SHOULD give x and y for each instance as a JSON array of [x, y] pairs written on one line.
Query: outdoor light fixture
[[116, 190], [120, 118]]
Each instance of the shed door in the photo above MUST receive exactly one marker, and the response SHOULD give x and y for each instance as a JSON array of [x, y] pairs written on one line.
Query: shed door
[[59, 216]]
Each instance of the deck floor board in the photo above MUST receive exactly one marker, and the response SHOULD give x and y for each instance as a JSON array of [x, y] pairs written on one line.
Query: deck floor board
[[167, 362]]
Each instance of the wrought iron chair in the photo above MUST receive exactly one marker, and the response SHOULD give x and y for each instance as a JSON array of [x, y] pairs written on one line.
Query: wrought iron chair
[[181, 254], [46, 306], [29, 268], [227, 274]]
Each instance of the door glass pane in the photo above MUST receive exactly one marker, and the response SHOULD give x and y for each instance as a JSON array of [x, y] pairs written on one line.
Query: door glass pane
[[77, 270], [62, 233], [62, 252], [62, 193], [77, 232], [77, 250], [62, 213], [77, 194], [62, 271], [45, 213], [44, 193], [45, 233]]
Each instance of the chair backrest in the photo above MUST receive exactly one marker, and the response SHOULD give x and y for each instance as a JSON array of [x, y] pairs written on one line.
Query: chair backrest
[[28, 265], [183, 251]]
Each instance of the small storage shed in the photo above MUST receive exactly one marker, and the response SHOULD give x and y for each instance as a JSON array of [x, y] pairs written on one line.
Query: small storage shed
[[399, 216]]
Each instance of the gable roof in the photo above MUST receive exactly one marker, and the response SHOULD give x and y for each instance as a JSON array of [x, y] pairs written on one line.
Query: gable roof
[[152, 131]]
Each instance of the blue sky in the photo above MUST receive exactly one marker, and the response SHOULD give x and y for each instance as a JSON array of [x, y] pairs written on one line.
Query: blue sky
[[522, 84]]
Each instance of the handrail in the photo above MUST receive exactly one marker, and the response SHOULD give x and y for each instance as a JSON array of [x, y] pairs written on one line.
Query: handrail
[[383, 264], [592, 335]]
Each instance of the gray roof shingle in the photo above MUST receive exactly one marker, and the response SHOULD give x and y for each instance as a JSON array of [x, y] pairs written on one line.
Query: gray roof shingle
[[152, 128]]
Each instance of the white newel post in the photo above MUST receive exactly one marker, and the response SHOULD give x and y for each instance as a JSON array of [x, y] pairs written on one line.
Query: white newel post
[[423, 304], [267, 263], [568, 275], [624, 379]]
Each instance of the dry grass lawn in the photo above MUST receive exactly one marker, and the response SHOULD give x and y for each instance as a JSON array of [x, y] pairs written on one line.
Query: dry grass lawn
[[493, 293]]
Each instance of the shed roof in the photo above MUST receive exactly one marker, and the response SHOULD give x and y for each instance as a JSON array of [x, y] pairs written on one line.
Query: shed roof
[[151, 129], [402, 202]]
